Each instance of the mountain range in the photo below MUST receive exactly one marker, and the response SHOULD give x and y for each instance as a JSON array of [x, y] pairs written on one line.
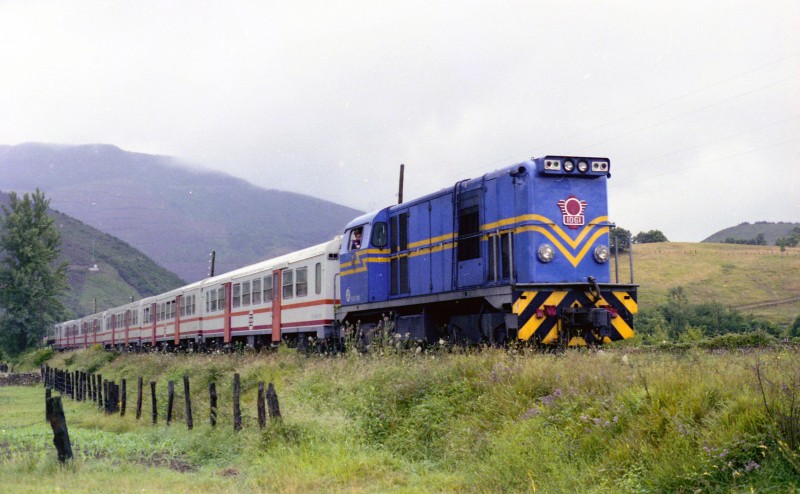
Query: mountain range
[[175, 214]]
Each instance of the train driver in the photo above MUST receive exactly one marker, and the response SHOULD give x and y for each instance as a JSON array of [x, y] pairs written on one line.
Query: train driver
[[355, 242]]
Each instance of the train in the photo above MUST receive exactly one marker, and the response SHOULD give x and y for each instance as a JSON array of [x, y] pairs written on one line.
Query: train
[[520, 254]]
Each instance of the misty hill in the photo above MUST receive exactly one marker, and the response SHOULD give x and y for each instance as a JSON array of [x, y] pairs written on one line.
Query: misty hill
[[175, 214], [747, 231], [121, 271]]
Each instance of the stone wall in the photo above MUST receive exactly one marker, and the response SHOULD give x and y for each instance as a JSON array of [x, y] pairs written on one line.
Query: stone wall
[[20, 379]]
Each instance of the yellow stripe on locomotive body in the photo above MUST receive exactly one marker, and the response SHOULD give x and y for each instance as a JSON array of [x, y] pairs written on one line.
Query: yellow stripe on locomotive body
[[540, 314], [574, 250]]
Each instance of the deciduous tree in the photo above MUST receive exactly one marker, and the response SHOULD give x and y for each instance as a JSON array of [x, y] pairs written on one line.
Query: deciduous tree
[[31, 280]]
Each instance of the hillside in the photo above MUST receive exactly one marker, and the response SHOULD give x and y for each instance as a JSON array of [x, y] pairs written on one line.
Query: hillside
[[753, 279], [747, 231], [175, 214], [120, 268]]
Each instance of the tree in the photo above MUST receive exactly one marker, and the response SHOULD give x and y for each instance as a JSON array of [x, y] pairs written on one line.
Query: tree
[[620, 237], [30, 280], [651, 237]]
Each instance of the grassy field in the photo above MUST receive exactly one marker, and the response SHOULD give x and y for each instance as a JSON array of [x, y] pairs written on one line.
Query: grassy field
[[760, 280], [430, 421]]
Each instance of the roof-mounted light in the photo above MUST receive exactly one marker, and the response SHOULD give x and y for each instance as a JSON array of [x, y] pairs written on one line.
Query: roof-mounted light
[[600, 166], [583, 166], [552, 165], [569, 166]]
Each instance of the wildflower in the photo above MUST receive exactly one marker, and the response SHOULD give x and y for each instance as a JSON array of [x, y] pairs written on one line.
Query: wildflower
[[532, 412], [751, 465]]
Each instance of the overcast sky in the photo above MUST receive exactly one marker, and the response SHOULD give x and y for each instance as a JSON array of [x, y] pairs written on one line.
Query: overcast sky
[[696, 103]]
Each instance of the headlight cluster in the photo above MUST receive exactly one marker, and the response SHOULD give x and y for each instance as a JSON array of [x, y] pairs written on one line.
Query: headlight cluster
[[561, 165], [546, 253]]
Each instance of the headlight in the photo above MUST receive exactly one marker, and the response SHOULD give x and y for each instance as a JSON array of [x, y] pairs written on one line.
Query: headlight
[[546, 253], [583, 166], [569, 166], [601, 254]]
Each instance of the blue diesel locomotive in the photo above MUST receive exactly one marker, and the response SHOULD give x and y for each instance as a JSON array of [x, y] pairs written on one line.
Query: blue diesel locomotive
[[520, 253]]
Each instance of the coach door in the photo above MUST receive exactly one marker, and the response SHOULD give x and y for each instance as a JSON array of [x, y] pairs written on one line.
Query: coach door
[[227, 312], [154, 320], [277, 286], [178, 304]]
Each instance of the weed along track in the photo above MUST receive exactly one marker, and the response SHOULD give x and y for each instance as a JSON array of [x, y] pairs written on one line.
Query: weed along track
[[487, 421]]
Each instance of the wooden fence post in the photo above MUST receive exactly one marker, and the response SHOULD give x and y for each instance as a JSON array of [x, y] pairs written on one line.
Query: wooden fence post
[[106, 397], [153, 400], [272, 403], [139, 400], [124, 399], [212, 395], [59, 425], [188, 399], [99, 391], [170, 399], [262, 412], [48, 393], [237, 410]]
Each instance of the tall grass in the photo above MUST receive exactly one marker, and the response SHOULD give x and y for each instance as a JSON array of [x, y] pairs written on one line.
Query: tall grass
[[446, 421]]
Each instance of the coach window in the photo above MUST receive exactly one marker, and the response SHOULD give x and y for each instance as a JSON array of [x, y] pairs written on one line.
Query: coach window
[[318, 278], [256, 291], [268, 288], [246, 293], [237, 289], [213, 297], [288, 284], [221, 298], [301, 285]]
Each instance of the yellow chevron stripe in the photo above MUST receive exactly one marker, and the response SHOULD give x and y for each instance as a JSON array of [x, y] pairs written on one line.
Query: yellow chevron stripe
[[549, 223], [552, 336], [629, 303], [522, 303], [622, 327], [531, 325], [574, 260]]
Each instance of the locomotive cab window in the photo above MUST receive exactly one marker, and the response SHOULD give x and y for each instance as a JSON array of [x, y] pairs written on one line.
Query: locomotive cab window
[[356, 238]]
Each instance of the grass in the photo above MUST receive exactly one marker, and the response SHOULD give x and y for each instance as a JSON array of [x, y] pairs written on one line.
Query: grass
[[492, 421], [734, 275]]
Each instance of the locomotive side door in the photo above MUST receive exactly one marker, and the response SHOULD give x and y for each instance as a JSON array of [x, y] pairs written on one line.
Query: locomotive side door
[[469, 269]]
